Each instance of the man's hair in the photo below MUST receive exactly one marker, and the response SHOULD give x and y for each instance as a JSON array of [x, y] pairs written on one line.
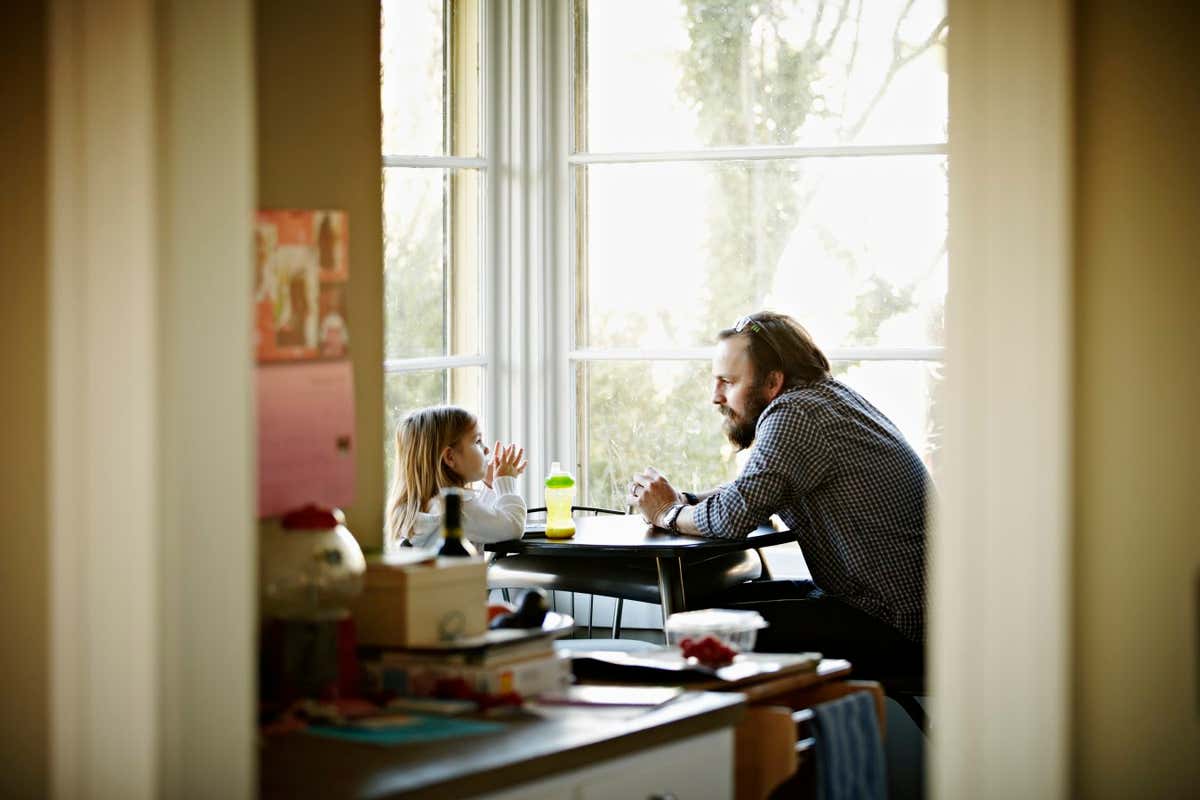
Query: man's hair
[[778, 342]]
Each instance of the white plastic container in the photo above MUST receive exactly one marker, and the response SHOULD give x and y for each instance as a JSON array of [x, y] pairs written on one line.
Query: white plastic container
[[736, 629]]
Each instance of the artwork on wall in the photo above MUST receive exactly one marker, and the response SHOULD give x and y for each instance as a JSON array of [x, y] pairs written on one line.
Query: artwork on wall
[[301, 270], [305, 380]]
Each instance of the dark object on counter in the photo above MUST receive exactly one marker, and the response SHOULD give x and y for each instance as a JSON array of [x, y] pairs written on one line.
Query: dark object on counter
[[453, 544], [307, 658], [530, 613]]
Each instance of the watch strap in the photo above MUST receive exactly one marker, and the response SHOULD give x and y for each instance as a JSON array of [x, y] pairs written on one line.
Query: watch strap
[[673, 517]]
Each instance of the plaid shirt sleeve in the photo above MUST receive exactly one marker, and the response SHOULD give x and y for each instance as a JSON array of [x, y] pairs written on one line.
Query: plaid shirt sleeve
[[789, 460]]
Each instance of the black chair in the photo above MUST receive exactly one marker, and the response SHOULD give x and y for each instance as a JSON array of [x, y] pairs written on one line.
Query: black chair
[[591, 597], [907, 690], [903, 680]]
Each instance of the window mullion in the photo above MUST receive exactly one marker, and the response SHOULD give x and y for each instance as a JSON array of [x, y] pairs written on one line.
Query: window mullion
[[558, 403], [395, 365], [518, 376], [434, 162], [705, 353], [761, 153]]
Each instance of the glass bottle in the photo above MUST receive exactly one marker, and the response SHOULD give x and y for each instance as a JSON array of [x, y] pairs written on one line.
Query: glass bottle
[[454, 545], [560, 494]]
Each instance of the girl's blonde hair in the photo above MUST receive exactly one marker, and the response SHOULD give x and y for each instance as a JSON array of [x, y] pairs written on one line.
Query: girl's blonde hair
[[420, 471]]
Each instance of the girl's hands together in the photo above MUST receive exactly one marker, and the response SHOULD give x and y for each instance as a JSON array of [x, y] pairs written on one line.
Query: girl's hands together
[[507, 462]]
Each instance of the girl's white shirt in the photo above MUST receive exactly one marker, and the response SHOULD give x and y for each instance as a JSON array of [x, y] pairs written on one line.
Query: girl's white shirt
[[488, 515]]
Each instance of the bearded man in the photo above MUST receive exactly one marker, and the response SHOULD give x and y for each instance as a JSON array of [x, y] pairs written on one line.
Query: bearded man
[[839, 474]]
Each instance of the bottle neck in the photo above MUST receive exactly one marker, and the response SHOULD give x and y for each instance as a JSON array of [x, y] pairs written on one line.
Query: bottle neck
[[452, 513]]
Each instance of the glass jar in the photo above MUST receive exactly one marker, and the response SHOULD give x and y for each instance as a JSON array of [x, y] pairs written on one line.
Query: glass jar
[[310, 566]]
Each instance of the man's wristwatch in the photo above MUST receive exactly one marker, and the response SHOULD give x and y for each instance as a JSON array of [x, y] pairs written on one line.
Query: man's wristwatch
[[672, 517]]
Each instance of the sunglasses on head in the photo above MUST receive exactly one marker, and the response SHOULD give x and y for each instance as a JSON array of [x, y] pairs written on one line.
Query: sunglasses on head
[[748, 323]]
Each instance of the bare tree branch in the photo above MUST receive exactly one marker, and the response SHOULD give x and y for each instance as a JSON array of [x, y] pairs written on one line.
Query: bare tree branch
[[899, 23], [816, 26], [898, 63], [842, 15], [853, 52]]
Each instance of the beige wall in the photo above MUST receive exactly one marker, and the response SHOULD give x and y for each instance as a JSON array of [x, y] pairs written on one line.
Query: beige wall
[[24, 596], [319, 147], [1137, 549]]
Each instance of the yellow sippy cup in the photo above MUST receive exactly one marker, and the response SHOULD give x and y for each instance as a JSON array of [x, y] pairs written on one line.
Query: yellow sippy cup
[[560, 494]]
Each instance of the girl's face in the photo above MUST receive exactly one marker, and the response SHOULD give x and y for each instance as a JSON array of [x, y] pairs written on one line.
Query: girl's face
[[468, 456]]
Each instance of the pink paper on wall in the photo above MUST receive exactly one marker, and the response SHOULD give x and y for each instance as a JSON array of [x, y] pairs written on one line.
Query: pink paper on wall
[[305, 436]]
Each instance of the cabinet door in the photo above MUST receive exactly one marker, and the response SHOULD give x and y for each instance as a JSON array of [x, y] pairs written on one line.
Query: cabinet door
[[549, 789], [699, 767]]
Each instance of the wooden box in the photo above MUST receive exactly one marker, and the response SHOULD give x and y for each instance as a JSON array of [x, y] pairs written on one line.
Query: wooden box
[[404, 605]]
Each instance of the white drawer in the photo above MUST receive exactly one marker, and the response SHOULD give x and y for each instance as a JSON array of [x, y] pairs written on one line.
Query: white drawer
[[697, 768], [700, 768]]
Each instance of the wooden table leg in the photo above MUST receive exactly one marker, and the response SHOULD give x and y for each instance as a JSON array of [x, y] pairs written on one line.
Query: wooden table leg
[[670, 586]]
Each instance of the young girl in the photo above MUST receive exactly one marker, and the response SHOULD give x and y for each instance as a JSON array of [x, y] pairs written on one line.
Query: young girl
[[442, 446]]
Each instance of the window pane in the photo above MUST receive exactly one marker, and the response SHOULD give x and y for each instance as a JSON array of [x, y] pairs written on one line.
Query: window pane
[[430, 86], [407, 391], [649, 413], [854, 248], [432, 282], [636, 414], [907, 393], [709, 73], [412, 77]]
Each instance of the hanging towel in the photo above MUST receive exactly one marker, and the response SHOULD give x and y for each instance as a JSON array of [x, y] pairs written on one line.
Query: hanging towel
[[850, 762]]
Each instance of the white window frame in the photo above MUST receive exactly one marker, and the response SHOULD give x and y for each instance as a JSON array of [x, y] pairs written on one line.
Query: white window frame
[[562, 348], [527, 346], [485, 164]]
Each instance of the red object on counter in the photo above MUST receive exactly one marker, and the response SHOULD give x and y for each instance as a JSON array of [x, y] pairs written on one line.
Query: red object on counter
[[709, 651], [310, 517]]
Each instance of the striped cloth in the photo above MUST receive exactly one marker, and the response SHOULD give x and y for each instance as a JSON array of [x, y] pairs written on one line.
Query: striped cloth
[[850, 763]]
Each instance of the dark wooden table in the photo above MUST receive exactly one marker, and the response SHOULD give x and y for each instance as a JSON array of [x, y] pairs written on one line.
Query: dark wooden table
[[296, 765], [600, 539]]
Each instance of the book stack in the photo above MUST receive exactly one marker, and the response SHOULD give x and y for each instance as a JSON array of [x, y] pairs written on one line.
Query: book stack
[[529, 667]]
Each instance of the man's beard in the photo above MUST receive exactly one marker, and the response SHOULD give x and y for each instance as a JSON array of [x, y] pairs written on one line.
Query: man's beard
[[740, 432]]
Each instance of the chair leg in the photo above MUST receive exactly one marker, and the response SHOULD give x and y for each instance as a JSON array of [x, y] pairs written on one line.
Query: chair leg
[[765, 575], [504, 593], [591, 610], [616, 629]]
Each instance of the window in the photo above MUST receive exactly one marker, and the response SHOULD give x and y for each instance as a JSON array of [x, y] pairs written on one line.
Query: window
[[734, 155], [434, 184], [668, 165]]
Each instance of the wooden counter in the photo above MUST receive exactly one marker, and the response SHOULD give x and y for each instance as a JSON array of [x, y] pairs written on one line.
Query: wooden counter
[[530, 748]]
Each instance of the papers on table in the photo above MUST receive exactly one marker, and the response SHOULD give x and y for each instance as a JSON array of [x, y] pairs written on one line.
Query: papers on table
[[667, 666]]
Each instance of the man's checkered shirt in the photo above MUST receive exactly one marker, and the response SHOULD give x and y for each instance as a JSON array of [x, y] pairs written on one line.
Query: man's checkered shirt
[[840, 474]]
